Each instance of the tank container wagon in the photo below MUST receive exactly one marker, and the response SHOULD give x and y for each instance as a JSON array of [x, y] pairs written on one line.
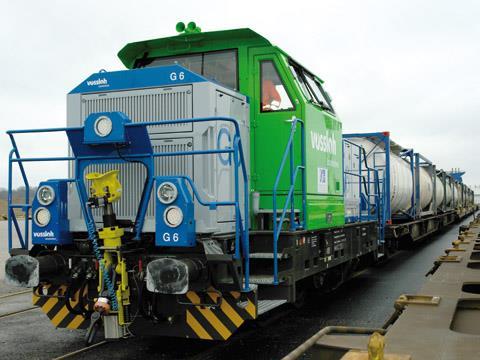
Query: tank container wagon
[[208, 184], [423, 198]]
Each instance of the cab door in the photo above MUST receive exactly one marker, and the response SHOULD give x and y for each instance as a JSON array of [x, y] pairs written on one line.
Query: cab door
[[274, 103]]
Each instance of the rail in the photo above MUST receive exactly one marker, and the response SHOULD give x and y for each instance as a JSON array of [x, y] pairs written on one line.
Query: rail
[[277, 224], [242, 246]]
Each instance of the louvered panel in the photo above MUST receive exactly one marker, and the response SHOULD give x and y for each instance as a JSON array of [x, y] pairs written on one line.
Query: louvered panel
[[171, 165], [132, 176], [145, 106]]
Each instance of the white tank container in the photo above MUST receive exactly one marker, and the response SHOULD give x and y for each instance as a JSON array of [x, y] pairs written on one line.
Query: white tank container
[[426, 188], [448, 200], [401, 182], [459, 192], [401, 185], [439, 191], [456, 195]]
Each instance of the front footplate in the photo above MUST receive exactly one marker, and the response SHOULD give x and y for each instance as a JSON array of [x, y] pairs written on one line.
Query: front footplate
[[206, 315]]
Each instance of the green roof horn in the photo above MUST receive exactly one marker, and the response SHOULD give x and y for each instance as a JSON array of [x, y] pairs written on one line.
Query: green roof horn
[[191, 28]]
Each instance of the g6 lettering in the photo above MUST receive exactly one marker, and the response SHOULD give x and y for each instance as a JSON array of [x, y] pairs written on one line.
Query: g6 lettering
[[167, 237], [174, 76]]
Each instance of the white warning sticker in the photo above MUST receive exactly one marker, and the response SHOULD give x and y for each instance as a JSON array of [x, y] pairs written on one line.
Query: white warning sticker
[[322, 180]]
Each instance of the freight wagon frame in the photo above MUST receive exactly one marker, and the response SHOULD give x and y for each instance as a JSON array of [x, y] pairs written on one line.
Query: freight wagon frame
[[449, 201]]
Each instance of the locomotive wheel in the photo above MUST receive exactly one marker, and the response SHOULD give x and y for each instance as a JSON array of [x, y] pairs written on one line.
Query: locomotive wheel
[[300, 297]]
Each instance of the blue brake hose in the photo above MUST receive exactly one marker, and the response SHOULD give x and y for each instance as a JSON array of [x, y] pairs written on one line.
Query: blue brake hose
[[92, 235]]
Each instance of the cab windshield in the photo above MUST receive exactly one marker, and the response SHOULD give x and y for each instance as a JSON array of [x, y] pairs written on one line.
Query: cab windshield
[[219, 66], [311, 87]]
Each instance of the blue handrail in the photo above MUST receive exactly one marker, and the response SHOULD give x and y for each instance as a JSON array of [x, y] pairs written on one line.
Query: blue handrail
[[366, 184], [242, 223], [11, 217], [380, 137], [277, 225], [381, 175]]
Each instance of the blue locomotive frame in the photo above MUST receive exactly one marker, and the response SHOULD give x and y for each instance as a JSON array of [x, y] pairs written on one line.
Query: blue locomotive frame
[[83, 157]]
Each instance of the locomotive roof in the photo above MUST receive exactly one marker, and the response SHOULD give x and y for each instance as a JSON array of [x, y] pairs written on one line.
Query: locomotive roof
[[187, 42]]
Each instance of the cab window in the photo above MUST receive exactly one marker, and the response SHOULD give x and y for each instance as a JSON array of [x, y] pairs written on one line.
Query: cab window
[[274, 96], [219, 66], [311, 87], [191, 62]]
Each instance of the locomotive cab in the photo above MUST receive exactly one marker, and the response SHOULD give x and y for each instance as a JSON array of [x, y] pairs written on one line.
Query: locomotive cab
[[279, 89]]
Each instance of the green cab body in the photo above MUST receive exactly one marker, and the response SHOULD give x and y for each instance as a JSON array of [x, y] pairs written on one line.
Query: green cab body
[[257, 59]]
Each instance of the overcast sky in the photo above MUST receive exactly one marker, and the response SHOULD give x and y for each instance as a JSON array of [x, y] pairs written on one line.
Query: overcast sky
[[409, 67]]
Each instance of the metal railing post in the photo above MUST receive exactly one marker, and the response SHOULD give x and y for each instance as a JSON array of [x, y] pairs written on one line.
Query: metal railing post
[[360, 184], [277, 225], [304, 178], [237, 217], [292, 180], [9, 201]]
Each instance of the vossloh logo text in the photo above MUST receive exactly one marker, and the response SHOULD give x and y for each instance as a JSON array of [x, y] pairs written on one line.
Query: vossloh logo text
[[97, 82], [324, 143], [44, 234]]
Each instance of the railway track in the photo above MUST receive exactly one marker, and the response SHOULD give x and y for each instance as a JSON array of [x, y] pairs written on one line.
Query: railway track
[[6, 301], [17, 312], [15, 294], [80, 351]]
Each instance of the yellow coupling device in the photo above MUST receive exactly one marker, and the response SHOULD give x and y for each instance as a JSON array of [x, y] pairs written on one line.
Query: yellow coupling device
[[105, 185]]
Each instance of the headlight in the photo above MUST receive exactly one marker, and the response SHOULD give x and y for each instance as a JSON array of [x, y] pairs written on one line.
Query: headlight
[[45, 195], [103, 126], [173, 216], [167, 193], [42, 217]]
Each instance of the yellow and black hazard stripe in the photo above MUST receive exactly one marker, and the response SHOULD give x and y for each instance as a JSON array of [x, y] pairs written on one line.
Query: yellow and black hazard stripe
[[218, 322], [53, 304]]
